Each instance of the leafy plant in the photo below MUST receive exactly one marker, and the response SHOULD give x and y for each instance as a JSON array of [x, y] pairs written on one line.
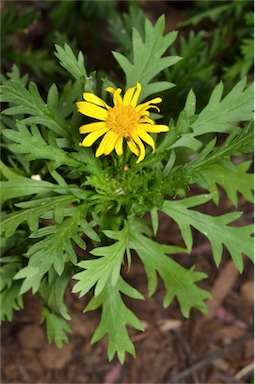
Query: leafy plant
[[15, 48], [59, 199]]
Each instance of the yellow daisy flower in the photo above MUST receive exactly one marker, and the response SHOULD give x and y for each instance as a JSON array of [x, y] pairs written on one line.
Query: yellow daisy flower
[[125, 120]]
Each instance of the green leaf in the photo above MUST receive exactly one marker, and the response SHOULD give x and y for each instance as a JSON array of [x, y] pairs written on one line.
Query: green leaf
[[190, 105], [212, 13], [32, 211], [10, 300], [75, 66], [32, 276], [115, 317], [220, 113], [70, 94], [147, 58], [56, 249], [57, 327], [239, 141], [18, 186], [179, 282], [232, 180], [8, 270], [215, 228], [52, 291], [107, 268], [34, 146], [29, 102]]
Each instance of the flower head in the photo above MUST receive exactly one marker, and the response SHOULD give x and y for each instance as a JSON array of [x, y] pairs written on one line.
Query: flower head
[[125, 120]]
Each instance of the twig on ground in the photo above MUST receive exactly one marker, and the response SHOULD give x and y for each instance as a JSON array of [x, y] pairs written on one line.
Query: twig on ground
[[209, 358], [245, 371]]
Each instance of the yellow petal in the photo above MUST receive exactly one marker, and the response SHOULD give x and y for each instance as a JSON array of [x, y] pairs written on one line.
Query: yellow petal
[[132, 146], [142, 108], [141, 147], [93, 136], [92, 110], [107, 144], [91, 98], [87, 128], [117, 99], [110, 89], [146, 119], [145, 137], [136, 95], [155, 128], [119, 146], [128, 96]]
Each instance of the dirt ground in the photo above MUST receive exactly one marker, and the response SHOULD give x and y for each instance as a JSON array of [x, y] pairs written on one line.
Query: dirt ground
[[217, 348]]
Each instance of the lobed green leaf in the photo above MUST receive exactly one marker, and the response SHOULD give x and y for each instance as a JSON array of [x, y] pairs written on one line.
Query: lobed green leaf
[[115, 317], [179, 282], [57, 327], [147, 58], [215, 228], [75, 66]]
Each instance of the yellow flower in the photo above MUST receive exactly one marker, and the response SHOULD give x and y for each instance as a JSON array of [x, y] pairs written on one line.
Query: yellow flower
[[125, 120]]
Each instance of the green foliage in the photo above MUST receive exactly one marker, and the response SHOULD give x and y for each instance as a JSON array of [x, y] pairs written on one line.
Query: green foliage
[[28, 101], [15, 22], [147, 59], [107, 268], [120, 28], [10, 299], [68, 214], [220, 112], [115, 317], [74, 66], [214, 228], [196, 70], [57, 327], [232, 180], [222, 49], [178, 281]]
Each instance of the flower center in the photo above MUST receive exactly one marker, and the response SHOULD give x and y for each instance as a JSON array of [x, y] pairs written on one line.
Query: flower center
[[123, 120]]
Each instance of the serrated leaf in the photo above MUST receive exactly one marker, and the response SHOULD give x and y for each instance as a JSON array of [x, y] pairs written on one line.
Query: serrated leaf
[[115, 317], [147, 58], [75, 66], [215, 228], [233, 181], [32, 276], [52, 291], [54, 250], [99, 271], [179, 282], [220, 113], [32, 211], [57, 327], [7, 271], [239, 141], [29, 102], [10, 299], [19, 186]]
